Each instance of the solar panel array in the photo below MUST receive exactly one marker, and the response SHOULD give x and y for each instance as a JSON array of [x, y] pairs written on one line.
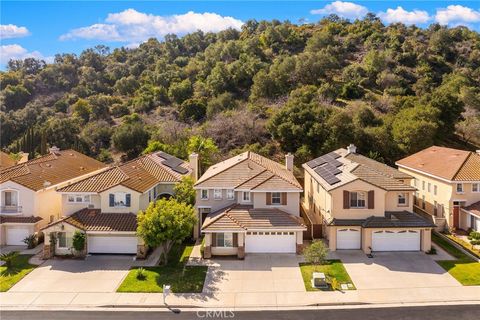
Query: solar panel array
[[326, 167], [172, 162]]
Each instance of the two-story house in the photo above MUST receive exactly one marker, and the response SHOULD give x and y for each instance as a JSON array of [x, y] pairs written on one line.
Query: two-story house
[[249, 203], [28, 197], [105, 205], [448, 185], [363, 204]]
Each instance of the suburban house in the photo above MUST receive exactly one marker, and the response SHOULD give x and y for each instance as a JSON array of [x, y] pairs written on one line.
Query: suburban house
[[29, 199], [448, 185], [105, 205], [249, 204], [363, 204]]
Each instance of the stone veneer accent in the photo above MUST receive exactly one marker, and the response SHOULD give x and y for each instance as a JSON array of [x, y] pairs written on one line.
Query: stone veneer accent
[[241, 252], [142, 251], [299, 248], [47, 251], [207, 252]]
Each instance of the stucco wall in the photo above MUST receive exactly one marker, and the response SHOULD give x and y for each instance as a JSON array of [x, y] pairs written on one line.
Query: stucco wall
[[26, 198], [391, 201], [70, 208], [134, 205], [215, 204], [292, 207]]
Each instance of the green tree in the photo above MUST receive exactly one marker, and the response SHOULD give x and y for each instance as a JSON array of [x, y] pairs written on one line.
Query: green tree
[[192, 109], [164, 223], [131, 139], [184, 191], [82, 110], [180, 91], [206, 149], [316, 253]]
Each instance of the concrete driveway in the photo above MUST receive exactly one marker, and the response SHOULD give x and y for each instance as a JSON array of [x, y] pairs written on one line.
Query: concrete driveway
[[394, 270], [94, 274], [258, 273]]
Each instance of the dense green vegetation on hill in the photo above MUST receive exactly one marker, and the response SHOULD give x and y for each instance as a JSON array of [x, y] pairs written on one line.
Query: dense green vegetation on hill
[[272, 87]]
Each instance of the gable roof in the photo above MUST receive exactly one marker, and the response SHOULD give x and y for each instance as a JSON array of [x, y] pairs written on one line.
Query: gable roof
[[94, 220], [446, 163], [139, 174], [244, 218], [341, 167], [5, 160], [249, 171], [51, 169]]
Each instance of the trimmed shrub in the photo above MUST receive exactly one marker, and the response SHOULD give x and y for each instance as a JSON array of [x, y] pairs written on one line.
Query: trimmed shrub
[[140, 274]]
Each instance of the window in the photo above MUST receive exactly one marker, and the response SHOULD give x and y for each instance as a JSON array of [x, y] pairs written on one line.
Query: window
[[225, 240], [402, 199], [423, 202], [475, 187], [415, 182], [435, 189], [246, 196], [119, 199], [459, 187], [318, 187], [204, 194], [276, 198], [62, 239], [423, 185], [429, 187], [357, 199], [78, 198], [416, 198], [217, 194], [435, 208], [230, 194]]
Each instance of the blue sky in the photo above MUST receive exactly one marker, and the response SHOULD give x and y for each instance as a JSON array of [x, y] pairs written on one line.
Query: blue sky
[[42, 28]]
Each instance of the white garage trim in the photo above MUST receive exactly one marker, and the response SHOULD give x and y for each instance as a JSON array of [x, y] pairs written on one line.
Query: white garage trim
[[349, 238], [396, 240], [270, 242], [15, 236], [122, 244]]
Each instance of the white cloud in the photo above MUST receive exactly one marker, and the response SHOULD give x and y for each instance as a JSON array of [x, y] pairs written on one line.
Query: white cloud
[[343, 9], [406, 17], [456, 14], [8, 31], [133, 26], [16, 52]]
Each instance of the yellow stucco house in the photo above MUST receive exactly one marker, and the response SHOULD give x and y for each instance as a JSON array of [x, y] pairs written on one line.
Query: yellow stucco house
[[448, 185], [359, 203]]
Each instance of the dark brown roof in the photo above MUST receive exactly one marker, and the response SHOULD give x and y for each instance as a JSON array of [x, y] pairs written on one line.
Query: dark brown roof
[[139, 174], [51, 169], [18, 219], [95, 220], [392, 219], [243, 218], [473, 208]]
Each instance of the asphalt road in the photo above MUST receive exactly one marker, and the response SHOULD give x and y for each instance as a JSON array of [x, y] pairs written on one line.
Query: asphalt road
[[456, 312]]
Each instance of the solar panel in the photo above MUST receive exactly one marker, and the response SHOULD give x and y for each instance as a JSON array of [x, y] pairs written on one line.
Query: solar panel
[[316, 162], [164, 155], [180, 170], [173, 162], [334, 155]]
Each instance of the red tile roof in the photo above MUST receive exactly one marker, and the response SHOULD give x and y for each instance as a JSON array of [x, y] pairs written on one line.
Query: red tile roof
[[18, 219]]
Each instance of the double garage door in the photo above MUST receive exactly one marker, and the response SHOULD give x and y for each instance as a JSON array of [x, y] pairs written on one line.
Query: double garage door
[[112, 244], [270, 242], [382, 240]]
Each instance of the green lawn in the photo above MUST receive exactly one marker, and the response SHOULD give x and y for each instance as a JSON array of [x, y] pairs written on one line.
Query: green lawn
[[21, 267], [182, 279], [464, 269], [331, 268]]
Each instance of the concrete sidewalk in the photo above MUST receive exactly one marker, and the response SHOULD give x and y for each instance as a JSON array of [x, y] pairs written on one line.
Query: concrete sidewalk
[[239, 300]]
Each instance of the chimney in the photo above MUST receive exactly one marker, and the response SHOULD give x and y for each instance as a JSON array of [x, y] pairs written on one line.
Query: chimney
[[54, 149], [193, 158], [351, 148], [23, 157], [289, 161], [478, 152]]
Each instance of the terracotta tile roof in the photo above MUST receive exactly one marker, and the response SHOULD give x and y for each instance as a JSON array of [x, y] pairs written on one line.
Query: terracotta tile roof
[[403, 219], [348, 167], [446, 163], [473, 208], [5, 160], [248, 171], [139, 174], [94, 220], [51, 169], [19, 219], [244, 218]]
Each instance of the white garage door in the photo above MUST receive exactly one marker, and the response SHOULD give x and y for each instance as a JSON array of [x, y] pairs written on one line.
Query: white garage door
[[15, 236], [348, 238], [403, 240], [112, 244], [270, 242]]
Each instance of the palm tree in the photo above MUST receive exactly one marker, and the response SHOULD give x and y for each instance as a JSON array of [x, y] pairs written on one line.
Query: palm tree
[[8, 258]]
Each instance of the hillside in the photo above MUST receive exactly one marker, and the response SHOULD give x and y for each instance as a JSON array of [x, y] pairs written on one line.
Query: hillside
[[272, 87]]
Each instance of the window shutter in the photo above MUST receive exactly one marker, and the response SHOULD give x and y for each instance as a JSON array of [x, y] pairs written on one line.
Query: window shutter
[[269, 198], [111, 198], [371, 199], [214, 239], [284, 198], [346, 199], [127, 198], [235, 240]]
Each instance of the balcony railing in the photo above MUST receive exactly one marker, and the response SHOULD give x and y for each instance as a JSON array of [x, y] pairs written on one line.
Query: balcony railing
[[10, 209]]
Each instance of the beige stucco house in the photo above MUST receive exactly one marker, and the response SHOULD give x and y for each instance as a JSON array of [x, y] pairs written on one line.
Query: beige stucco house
[[363, 204], [28, 195], [105, 205], [448, 185], [249, 204]]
